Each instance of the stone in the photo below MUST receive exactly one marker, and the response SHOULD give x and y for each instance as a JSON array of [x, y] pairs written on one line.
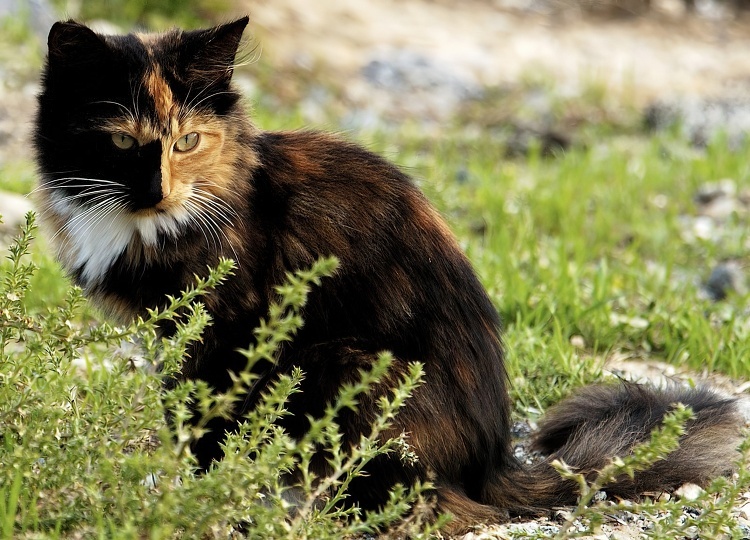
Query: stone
[[13, 209], [726, 277]]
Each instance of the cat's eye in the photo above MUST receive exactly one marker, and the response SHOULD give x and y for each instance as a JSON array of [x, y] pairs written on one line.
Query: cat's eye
[[186, 142], [122, 141]]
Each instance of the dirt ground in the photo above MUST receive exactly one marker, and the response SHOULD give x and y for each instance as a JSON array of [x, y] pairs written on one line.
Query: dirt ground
[[664, 54]]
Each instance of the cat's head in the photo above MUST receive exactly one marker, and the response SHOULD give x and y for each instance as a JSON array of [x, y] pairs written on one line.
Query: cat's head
[[136, 136]]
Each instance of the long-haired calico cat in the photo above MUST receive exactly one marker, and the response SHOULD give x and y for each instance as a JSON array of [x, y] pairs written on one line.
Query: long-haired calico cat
[[151, 170]]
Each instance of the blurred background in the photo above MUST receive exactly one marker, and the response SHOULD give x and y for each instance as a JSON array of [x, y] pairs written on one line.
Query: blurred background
[[520, 70]]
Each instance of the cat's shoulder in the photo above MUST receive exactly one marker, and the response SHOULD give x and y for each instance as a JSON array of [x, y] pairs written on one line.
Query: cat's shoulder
[[321, 154]]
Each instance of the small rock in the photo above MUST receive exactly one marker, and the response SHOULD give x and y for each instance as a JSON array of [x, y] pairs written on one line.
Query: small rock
[[718, 200], [725, 278], [398, 83], [744, 511], [711, 191], [521, 430], [743, 406], [578, 342], [151, 481], [689, 492], [702, 119], [403, 70], [13, 209], [704, 227]]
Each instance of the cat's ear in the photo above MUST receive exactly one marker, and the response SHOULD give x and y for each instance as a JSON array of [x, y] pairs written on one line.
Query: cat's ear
[[74, 46], [211, 53]]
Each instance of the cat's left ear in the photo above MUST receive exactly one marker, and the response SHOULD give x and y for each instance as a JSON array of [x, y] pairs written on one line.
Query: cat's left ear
[[211, 52], [74, 47]]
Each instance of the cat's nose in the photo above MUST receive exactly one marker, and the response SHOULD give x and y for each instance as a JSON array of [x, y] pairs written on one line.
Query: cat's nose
[[151, 194]]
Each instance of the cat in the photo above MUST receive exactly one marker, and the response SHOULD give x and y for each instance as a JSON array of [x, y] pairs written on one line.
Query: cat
[[150, 170]]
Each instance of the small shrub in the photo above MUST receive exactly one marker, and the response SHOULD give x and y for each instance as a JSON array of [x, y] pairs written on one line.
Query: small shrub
[[85, 450]]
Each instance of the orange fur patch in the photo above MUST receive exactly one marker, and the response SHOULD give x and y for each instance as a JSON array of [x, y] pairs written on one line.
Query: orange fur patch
[[162, 95], [210, 166]]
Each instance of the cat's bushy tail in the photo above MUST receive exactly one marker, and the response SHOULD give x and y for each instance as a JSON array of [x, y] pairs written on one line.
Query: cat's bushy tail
[[588, 429], [600, 422]]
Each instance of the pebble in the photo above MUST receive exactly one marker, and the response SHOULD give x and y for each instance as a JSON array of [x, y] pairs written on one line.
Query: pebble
[[578, 342], [404, 70], [689, 492], [400, 83], [727, 277], [719, 200], [702, 119], [13, 209]]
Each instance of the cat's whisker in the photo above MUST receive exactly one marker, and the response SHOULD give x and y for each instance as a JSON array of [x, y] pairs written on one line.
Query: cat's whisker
[[130, 113], [236, 258], [65, 172], [93, 197], [82, 223], [192, 107], [98, 197], [207, 226], [219, 202], [71, 224], [92, 180], [98, 203], [103, 199], [198, 218], [97, 189], [249, 55], [86, 190], [136, 103], [216, 205], [57, 183], [116, 207], [190, 101], [199, 212], [205, 218]]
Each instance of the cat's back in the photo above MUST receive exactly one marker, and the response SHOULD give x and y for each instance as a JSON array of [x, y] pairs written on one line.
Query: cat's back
[[323, 195], [295, 160], [403, 280]]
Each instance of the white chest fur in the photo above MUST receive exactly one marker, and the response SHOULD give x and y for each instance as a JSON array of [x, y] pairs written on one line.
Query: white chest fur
[[91, 239]]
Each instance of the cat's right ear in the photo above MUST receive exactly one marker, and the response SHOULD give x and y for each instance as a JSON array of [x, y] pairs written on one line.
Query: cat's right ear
[[209, 54], [74, 46]]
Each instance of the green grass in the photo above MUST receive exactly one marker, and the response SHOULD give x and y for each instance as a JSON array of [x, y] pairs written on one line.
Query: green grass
[[593, 244], [155, 15], [590, 243]]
